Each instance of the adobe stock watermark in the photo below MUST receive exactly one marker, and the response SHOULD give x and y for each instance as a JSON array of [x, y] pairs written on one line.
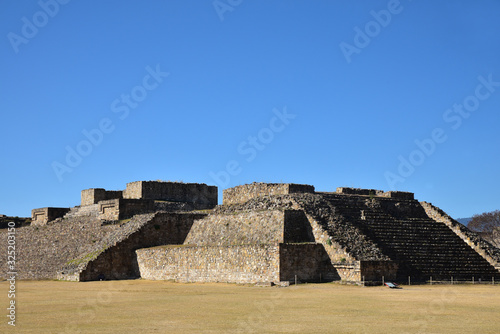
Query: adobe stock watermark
[[30, 27], [11, 273], [121, 107], [454, 117], [223, 6], [250, 148], [371, 29]]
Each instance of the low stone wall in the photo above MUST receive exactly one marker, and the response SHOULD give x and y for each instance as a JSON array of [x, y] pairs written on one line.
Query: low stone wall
[[374, 192], [232, 264], [308, 262], [42, 216], [359, 191], [95, 195], [197, 193], [403, 195], [241, 194]]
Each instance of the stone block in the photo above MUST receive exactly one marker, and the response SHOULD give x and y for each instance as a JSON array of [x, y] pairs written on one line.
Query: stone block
[[42, 216], [359, 191], [95, 195], [243, 193], [202, 195], [120, 208]]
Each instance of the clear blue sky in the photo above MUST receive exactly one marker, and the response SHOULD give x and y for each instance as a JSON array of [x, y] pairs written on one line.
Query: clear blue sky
[[328, 93]]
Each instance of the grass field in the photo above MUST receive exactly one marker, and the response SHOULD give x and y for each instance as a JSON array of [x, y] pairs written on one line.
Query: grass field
[[163, 307]]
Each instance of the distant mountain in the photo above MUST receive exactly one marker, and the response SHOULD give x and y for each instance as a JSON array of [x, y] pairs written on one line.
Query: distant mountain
[[463, 221]]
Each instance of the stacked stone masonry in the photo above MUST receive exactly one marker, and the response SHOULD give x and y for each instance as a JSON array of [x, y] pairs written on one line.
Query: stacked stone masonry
[[272, 233], [120, 208], [42, 216], [375, 192], [196, 193], [95, 195], [270, 263], [229, 263], [241, 194], [271, 226]]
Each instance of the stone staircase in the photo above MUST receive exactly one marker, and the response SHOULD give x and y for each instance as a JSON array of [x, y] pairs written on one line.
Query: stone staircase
[[420, 245]]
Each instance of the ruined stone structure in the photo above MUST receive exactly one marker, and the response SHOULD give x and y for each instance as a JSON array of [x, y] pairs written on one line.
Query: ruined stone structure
[[246, 192], [43, 215], [272, 233], [138, 197], [95, 195], [194, 193]]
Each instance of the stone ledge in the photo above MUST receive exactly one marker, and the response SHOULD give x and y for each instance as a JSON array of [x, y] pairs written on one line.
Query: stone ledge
[[243, 193], [42, 216]]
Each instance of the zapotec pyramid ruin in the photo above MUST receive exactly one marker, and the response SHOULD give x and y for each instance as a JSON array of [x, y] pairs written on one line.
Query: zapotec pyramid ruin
[[271, 233]]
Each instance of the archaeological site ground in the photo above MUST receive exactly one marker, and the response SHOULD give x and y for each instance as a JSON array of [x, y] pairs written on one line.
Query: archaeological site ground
[[142, 306], [267, 260]]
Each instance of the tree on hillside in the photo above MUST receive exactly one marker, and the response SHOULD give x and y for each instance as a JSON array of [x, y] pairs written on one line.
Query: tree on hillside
[[488, 226], [485, 222], [495, 237]]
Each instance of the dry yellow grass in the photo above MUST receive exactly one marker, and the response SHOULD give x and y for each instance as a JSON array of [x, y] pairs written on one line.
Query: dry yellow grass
[[164, 307]]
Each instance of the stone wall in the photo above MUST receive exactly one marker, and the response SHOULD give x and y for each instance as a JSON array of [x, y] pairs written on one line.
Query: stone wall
[[402, 195], [241, 194], [359, 191], [271, 263], [269, 226], [95, 195], [117, 209], [374, 192], [42, 216], [374, 270], [240, 228], [233, 264], [196, 193], [309, 262]]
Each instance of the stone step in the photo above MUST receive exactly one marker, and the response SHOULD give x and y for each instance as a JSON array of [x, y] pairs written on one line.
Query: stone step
[[404, 232]]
